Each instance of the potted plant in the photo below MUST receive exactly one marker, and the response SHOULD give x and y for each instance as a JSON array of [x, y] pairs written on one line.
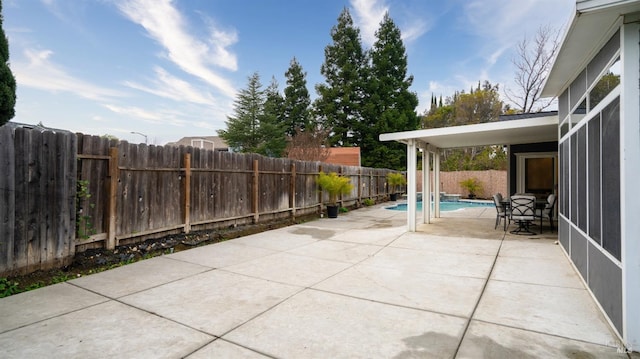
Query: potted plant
[[394, 180], [472, 185], [335, 185]]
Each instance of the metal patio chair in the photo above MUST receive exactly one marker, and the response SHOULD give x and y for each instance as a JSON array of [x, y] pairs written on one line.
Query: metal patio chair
[[501, 212], [523, 212]]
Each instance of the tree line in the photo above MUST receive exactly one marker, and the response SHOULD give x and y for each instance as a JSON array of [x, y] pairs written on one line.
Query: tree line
[[365, 93]]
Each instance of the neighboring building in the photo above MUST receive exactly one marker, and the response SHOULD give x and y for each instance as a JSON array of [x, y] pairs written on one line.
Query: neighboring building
[[207, 142], [346, 156], [593, 141]]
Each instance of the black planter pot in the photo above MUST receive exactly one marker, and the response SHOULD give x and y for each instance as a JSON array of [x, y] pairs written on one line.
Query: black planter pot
[[393, 196], [332, 211]]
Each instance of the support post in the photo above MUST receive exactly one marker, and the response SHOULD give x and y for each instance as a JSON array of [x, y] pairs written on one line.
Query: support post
[[187, 193], [319, 191], [436, 184], [629, 190], [111, 206], [426, 186], [360, 186], [411, 185], [292, 191], [256, 192]]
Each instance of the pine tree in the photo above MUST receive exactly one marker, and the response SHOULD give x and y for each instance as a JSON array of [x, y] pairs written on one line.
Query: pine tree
[[242, 133], [391, 106], [7, 81], [272, 127], [340, 101], [297, 101]]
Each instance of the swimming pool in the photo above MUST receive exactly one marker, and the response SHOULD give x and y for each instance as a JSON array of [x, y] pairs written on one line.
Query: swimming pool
[[446, 206]]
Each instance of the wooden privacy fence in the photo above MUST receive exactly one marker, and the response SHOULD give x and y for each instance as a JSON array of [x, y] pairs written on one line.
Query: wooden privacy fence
[[37, 199], [69, 192]]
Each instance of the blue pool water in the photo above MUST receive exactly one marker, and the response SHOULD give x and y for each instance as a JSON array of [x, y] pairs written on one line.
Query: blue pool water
[[446, 206]]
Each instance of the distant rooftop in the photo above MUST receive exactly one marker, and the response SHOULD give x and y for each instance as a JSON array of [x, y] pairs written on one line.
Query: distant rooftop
[[206, 142]]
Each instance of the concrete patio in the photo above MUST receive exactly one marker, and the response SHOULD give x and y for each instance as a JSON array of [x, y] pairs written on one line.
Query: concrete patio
[[356, 286]]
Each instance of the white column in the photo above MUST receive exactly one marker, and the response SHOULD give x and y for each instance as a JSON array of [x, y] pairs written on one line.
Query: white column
[[436, 184], [426, 186], [629, 190], [411, 185]]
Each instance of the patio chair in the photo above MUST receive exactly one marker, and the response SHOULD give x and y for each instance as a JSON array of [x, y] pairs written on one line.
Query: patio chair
[[547, 211], [502, 212], [523, 212]]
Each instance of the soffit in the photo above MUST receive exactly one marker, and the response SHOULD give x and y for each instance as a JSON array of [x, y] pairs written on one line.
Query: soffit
[[593, 23], [531, 130]]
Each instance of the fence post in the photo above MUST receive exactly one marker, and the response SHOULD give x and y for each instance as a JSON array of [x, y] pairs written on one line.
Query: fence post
[[340, 174], [113, 188], [292, 193], [359, 186], [255, 197], [187, 192], [319, 191]]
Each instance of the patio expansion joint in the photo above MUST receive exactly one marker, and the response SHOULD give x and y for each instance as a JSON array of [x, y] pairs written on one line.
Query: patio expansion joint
[[106, 300], [543, 333], [475, 307], [145, 289], [538, 284]]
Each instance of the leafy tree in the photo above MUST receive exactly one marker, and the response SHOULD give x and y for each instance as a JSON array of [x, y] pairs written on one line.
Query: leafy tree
[[297, 101], [339, 105], [242, 133], [7, 81], [607, 83], [390, 106], [479, 106], [437, 117], [533, 62], [309, 144], [272, 125]]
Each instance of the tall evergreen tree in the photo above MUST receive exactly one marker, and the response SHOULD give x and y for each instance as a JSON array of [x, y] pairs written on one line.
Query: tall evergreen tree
[[297, 101], [7, 81], [390, 106], [272, 126], [339, 105], [242, 133]]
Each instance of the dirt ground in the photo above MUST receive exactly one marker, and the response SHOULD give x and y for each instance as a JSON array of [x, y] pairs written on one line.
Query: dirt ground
[[98, 260]]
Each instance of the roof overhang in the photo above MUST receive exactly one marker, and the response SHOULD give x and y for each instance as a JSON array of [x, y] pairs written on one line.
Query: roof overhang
[[592, 25], [530, 130]]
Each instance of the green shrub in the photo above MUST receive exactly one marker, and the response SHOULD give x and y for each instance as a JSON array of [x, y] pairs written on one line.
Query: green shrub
[[472, 185], [334, 184]]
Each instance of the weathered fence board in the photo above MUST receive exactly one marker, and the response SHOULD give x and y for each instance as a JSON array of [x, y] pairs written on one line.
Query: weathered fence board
[[37, 212]]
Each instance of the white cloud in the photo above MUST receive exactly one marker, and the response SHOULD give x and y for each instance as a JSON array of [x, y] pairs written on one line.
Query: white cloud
[[166, 25], [171, 87], [154, 117], [41, 73], [368, 15]]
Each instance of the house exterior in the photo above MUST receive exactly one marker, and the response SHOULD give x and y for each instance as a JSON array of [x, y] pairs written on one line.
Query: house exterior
[[594, 141], [346, 156], [595, 77], [206, 142]]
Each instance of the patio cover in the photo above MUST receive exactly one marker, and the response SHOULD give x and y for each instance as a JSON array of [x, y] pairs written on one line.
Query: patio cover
[[431, 141]]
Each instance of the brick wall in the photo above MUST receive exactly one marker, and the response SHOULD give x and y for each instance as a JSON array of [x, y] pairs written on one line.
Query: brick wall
[[492, 182]]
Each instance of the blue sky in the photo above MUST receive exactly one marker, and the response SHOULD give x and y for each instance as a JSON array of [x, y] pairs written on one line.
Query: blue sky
[[170, 69]]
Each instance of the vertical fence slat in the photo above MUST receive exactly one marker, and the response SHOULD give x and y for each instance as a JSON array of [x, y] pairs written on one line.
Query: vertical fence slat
[[187, 193], [112, 197]]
